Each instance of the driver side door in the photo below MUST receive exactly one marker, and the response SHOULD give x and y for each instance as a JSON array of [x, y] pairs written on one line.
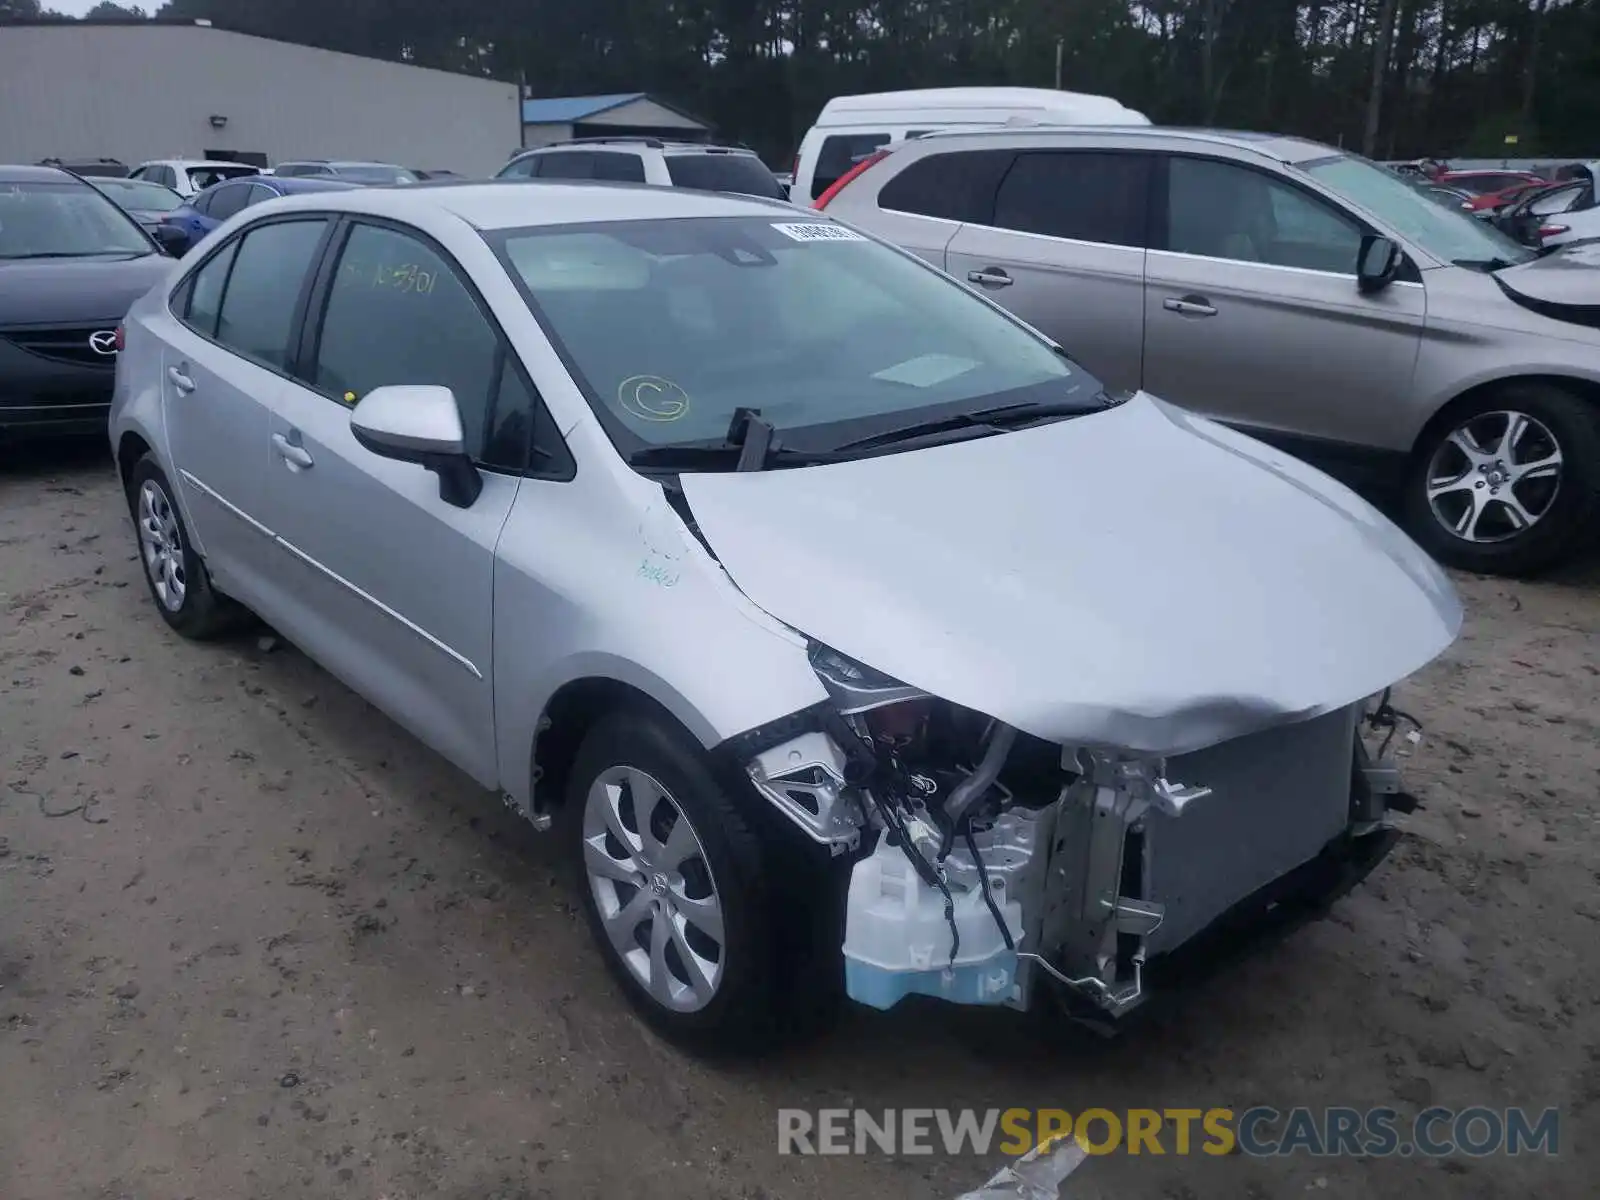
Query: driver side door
[[379, 579], [1252, 314]]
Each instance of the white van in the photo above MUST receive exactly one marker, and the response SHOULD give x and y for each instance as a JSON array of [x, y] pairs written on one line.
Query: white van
[[850, 128]]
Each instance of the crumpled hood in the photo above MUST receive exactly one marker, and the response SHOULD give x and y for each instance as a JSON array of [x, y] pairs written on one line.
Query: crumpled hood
[[1566, 277], [1139, 578], [71, 291]]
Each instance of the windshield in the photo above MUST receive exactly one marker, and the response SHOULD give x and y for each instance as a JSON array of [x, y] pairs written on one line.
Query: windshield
[[204, 177], [669, 326], [140, 194], [374, 173], [1450, 235], [744, 174], [64, 219]]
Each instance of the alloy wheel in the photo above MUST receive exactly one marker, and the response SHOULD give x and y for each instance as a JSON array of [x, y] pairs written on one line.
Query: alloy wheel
[[161, 544], [653, 887], [1494, 477]]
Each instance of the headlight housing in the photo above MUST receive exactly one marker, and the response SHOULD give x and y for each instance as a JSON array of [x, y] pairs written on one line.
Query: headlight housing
[[855, 687]]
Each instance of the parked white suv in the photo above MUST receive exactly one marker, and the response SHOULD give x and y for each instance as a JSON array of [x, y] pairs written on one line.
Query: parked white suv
[[650, 160]]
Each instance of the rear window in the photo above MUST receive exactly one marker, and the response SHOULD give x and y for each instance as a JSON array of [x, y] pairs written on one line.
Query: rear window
[[744, 174], [959, 186], [204, 177], [839, 153]]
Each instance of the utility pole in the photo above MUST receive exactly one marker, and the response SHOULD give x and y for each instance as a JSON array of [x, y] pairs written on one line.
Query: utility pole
[[1060, 42]]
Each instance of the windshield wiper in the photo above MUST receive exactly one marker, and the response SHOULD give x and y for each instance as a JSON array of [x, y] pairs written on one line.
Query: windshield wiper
[[719, 456], [994, 419], [1483, 264]]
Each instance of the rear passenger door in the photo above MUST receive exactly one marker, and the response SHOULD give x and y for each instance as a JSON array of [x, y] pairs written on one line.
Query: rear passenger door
[[1065, 251], [224, 364]]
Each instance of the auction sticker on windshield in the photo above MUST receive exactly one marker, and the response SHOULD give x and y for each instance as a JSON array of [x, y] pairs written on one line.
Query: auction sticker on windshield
[[818, 231]]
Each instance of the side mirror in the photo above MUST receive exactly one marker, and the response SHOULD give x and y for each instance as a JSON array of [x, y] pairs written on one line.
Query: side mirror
[[419, 423], [171, 239], [1377, 263]]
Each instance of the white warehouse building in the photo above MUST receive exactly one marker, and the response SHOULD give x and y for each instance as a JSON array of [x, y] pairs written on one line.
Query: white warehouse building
[[141, 90]]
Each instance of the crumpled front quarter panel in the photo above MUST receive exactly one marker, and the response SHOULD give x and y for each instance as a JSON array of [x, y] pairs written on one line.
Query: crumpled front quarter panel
[[598, 578]]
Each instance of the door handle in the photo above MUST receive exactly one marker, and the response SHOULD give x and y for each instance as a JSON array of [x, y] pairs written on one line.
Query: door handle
[[992, 277], [179, 380], [1190, 306], [298, 457]]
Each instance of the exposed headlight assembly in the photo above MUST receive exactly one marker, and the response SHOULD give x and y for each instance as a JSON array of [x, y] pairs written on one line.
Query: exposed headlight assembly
[[855, 687]]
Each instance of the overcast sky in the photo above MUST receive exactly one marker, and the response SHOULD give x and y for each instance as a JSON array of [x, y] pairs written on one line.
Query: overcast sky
[[75, 8]]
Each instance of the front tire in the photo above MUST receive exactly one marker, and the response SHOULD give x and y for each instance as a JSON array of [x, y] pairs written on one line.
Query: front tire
[[1509, 484], [174, 573], [675, 885]]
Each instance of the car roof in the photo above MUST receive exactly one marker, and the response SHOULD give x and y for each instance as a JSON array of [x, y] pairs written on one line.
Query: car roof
[[650, 143], [516, 203], [33, 174], [288, 185], [1284, 148], [187, 163]]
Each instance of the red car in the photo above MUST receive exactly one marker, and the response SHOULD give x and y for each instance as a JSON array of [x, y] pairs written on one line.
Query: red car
[[1490, 189]]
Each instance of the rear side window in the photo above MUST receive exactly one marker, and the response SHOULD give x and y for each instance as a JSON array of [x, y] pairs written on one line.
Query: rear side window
[[269, 272], [839, 153], [226, 201], [958, 186], [567, 164], [743, 174], [1089, 197], [619, 167]]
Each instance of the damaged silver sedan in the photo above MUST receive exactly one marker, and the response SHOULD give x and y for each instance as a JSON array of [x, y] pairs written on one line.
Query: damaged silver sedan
[[851, 637]]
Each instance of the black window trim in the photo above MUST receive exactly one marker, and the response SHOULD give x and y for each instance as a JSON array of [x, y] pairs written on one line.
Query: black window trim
[[306, 336], [1158, 231], [185, 287]]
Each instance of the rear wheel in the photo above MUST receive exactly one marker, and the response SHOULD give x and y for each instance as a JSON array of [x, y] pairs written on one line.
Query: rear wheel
[[1509, 484]]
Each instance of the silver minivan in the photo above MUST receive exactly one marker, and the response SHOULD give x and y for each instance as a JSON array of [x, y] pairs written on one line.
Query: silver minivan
[[1304, 295]]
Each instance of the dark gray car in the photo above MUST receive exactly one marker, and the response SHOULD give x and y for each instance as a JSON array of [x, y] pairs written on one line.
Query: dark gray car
[[71, 262]]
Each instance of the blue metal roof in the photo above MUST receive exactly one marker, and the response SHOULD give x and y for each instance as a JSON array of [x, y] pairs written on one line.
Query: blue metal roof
[[560, 110]]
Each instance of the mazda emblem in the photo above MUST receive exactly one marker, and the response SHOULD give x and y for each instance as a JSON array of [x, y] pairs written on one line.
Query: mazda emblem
[[104, 341]]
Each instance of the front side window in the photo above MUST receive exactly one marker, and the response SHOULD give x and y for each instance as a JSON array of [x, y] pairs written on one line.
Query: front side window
[[838, 153], [1222, 210], [397, 313], [1086, 196], [269, 273], [1450, 235], [1551, 203], [671, 325], [64, 219]]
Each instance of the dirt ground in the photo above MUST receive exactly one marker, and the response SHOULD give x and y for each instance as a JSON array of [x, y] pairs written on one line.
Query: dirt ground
[[256, 942]]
